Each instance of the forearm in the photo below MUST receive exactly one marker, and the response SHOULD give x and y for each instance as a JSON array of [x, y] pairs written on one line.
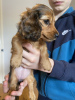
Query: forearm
[[63, 70]]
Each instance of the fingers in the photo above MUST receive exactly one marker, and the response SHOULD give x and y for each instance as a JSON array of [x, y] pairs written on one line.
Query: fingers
[[30, 48], [25, 62], [30, 59], [28, 67], [31, 56], [5, 84], [27, 55], [17, 93], [21, 87], [24, 83], [6, 77], [9, 98]]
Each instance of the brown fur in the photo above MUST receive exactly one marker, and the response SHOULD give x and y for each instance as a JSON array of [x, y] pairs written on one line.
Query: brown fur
[[36, 26]]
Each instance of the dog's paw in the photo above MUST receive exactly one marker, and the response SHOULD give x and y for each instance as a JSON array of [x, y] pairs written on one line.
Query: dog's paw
[[47, 66], [15, 64], [13, 87]]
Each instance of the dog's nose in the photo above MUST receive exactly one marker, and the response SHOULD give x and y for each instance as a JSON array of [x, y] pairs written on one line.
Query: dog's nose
[[56, 35]]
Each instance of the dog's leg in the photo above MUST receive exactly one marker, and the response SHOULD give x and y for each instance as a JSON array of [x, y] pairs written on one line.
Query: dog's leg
[[44, 58], [30, 79], [15, 62], [13, 80], [16, 52]]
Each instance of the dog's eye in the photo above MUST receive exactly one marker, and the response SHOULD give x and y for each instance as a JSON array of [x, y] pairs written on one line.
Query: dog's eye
[[46, 21]]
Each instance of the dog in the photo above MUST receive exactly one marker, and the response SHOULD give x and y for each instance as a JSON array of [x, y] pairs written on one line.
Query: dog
[[36, 26]]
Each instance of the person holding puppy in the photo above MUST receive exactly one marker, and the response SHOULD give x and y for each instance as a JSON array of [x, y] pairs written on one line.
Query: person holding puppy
[[60, 82]]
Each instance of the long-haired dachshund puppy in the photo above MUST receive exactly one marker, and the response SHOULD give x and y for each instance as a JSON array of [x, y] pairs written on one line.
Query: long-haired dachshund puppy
[[35, 27]]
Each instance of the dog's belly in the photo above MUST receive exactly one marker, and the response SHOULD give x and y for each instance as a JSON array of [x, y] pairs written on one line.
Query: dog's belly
[[22, 73]]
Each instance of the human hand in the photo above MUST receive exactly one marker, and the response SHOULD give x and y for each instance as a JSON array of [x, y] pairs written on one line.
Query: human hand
[[13, 93], [31, 59]]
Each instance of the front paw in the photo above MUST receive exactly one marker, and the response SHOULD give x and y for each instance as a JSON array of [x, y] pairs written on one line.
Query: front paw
[[15, 63], [46, 66], [13, 87]]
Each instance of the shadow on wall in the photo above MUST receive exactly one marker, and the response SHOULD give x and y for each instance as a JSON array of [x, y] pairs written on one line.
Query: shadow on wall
[[73, 4]]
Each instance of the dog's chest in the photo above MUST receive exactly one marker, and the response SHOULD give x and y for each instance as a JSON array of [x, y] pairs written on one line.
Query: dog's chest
[[22, 73]]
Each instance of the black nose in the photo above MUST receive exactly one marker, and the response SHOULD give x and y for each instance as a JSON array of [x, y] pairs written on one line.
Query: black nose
[[56, 35]]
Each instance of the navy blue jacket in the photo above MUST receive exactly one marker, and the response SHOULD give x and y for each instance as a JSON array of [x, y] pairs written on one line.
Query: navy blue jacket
[[60, 84], [63, 49]]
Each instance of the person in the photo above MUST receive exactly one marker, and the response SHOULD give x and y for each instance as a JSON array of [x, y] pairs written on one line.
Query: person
[[59, 84]]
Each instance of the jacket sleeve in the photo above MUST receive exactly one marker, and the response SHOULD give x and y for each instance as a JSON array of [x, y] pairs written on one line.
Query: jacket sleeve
[[63, 70]]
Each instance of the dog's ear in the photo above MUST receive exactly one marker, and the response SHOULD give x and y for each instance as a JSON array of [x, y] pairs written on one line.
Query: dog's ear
[[35, 14], [29, 26], [21, 24]]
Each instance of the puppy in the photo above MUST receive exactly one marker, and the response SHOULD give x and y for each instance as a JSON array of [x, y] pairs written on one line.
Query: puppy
[[35, 27]]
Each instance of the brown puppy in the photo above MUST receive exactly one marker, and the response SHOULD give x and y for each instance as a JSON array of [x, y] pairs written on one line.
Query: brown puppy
[[36, 26]]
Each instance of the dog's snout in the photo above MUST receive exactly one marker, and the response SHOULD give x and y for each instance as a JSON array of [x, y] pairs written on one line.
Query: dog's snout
[[56, 35]]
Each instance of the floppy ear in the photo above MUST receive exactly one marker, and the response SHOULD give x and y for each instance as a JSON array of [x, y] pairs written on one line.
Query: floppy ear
[[21, 24], [35, 14], [29, 26]]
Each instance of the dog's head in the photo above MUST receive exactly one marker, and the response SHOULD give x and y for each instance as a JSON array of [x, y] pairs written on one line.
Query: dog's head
[[37, 23]]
